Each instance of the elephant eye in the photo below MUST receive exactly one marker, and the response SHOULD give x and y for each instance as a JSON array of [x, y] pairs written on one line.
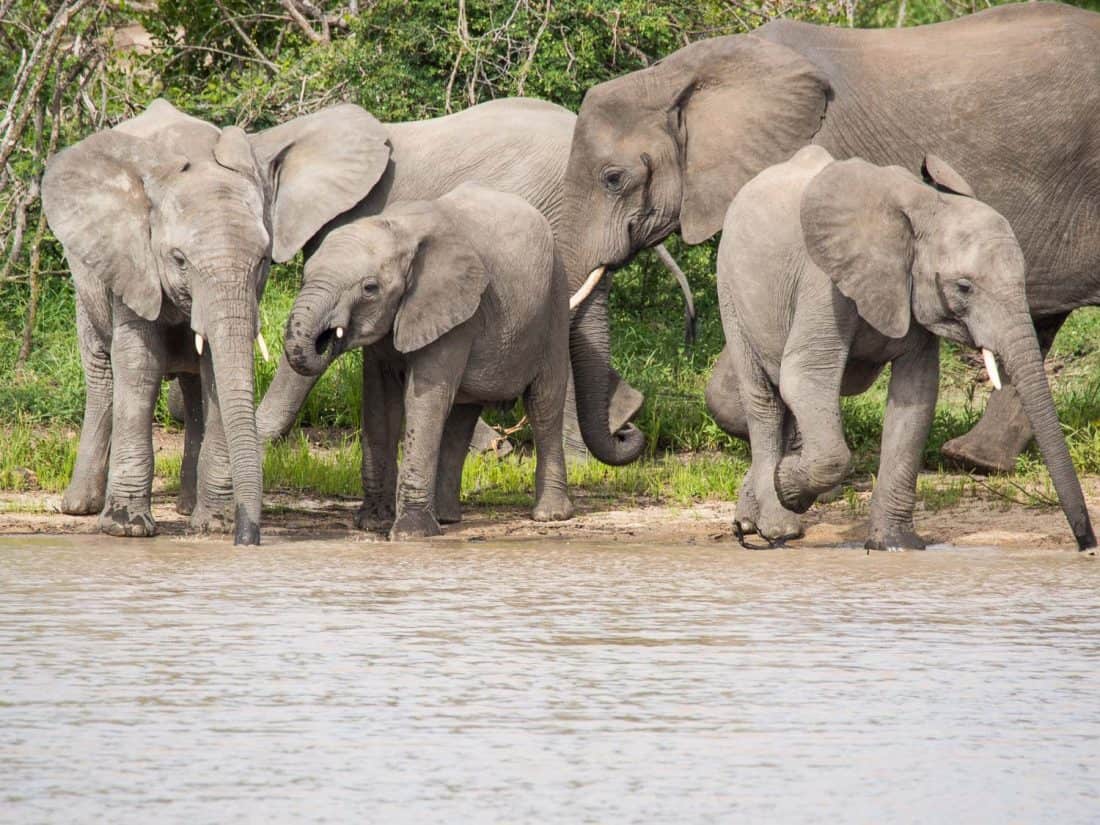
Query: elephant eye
[[179, 258], [371, 288], [613, 179], [964, 286]]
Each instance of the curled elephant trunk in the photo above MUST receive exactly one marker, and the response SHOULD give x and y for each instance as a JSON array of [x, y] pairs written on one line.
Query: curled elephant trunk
[[313, 335], [230, 341], [1023, 361], [590, 351]]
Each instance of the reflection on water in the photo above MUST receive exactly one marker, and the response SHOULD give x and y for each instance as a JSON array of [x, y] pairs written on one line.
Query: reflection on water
[[169, 680]]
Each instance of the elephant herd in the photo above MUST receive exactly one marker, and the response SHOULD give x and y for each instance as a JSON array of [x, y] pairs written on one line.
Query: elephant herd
[[876, 190]]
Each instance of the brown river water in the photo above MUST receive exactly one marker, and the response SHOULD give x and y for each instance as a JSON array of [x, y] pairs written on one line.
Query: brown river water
[[178, 680]]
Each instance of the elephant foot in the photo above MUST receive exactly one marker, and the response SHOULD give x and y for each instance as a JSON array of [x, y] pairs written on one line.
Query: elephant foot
[[78, 500], [792, 495], [373, 516], [131, 520], [778, 525], [894, 539], [414, 524], [212, 517], [447, 511], [971, 452], [554, 506]]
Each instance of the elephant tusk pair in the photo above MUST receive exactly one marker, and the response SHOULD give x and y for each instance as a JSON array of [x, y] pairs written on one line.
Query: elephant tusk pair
[[991, 368], [199, 342], [587, 287]]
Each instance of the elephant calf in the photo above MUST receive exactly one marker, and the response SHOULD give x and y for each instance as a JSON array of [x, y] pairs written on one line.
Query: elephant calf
[[462, 301], [829, 270]]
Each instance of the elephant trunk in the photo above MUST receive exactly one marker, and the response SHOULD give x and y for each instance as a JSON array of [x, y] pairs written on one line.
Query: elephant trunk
[[231, 326], [311, 341], [590, 352], [1022, 358]]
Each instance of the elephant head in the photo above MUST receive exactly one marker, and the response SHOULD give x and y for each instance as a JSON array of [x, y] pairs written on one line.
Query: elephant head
[[409, 271], [179, 220], [662, 149], [903, 251]]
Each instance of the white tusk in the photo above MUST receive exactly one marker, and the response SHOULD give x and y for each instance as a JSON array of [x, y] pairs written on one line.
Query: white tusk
[[263, 346], [198, 343], [339, 332], [991, 368], [587, 287]]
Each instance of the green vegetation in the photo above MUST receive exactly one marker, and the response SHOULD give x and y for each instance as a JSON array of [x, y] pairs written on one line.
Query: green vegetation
[[250, 63]]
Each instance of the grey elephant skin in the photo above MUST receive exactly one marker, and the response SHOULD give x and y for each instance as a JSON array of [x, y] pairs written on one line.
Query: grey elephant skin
[[517, 145], [829, 270], [169, 225], [1008, 97], [460, 303]]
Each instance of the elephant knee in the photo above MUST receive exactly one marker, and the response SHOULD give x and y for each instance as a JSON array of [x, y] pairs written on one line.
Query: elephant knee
[[829, 468]]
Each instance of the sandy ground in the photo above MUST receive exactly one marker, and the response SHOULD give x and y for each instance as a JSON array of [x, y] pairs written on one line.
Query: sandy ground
[[986, 520]]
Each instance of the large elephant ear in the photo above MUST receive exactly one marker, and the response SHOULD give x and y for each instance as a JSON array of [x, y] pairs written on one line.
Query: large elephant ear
[[321, 165], [94, 196], [856, 228], [444, 287], [160, 115], [744, 104]]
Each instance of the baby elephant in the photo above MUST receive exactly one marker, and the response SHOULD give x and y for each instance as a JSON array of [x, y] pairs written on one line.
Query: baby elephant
[[829, 270], [463, 301]]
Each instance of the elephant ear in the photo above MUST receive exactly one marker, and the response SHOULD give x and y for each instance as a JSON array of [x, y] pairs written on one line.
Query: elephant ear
[[95, 198], [444, 287], [939, 173], [857, 230], [319, 165], [744, 104]]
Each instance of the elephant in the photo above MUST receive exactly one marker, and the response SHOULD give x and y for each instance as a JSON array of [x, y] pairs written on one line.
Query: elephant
[[1007, 96], [461, 300], [169, 225], [830, 269], [517, 145]]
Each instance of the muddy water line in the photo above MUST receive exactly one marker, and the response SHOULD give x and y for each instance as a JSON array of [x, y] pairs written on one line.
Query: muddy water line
[[172, 680]]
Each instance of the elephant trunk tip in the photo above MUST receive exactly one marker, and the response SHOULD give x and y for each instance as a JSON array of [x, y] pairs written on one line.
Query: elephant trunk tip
[[1086, 539], [247, 531]]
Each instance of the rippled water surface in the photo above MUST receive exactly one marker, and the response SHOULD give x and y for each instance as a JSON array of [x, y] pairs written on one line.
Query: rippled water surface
[[169, 681]]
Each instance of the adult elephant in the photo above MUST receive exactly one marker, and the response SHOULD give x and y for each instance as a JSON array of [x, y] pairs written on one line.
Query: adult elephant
[[169, 225], [1009, 97], [515, 145]]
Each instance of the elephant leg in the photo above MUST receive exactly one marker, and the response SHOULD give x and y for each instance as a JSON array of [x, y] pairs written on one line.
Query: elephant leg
[[88, 487], [544, 402], [137, 364], [810, 382], [759, 509], [430, 386], [452, 455], [190, 390], [380, 428], [283, 401], [910, 407], [723, 397], [214, 505], [1003, 431]]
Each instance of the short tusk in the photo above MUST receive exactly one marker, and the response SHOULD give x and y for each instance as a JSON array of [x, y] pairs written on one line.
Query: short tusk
[[198, 343], [263, 346], [991, 367], [587, 287], [339, 332]]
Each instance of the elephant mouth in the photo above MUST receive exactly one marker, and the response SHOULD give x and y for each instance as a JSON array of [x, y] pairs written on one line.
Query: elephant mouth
[[333, 341]]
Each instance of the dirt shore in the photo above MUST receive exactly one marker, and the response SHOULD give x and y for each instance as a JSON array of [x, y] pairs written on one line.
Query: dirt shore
[[973, 521]]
